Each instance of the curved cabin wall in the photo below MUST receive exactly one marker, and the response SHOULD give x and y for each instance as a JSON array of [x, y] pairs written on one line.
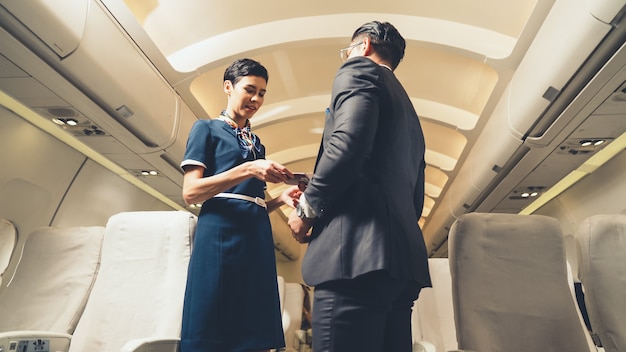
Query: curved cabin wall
[[44, 182]]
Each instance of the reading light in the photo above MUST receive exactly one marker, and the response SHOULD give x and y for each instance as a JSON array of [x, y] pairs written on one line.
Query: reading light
[[588, 167], [589, 142], [58, 121], [71, 122]]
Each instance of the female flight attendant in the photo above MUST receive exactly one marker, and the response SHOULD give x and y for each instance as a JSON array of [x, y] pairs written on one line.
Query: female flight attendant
[[231, 299]]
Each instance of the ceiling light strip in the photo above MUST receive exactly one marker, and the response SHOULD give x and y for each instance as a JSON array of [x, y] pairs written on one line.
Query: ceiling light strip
[[52, 129]]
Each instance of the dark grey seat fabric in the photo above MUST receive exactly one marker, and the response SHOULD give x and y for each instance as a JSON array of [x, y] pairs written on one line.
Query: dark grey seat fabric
[[510, 287], [602, 243]]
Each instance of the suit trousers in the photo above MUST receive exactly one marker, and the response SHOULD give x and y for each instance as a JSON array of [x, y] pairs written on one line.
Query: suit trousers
[[370, 313]]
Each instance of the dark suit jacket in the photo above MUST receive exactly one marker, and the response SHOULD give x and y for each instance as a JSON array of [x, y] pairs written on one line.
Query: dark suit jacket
[[368, 186]]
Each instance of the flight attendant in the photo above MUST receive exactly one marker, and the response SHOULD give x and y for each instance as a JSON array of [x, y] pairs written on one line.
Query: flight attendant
[[231, 299]]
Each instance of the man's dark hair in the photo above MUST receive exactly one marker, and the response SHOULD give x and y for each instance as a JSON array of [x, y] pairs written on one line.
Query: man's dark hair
[[386, 40], [244, 67]]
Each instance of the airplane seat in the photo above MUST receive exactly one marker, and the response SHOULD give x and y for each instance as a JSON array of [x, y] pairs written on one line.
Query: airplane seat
[[137, 300], [510, 287], [50, 286], [281, 291], [432, 312], [419, 344], [602, 243], [292, 314], [291, 304], [8, 242], [423, 346]]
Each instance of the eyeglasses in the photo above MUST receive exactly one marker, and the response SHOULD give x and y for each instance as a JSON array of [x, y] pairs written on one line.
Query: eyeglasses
[[345, 52]]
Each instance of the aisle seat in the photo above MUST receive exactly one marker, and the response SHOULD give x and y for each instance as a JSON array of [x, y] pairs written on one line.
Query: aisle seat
[[602, 241], [433, 314], [8, 242], [50, 287], [291, 303], [137, 299], [510, 285]]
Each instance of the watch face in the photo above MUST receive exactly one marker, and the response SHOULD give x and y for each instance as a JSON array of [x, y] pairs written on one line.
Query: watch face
[[299, 211]]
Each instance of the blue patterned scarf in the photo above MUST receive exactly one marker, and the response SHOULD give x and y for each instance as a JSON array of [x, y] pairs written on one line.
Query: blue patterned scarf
[[248, 141]]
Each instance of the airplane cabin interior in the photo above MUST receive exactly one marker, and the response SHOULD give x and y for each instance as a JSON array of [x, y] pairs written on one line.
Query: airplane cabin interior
[[523, 108]]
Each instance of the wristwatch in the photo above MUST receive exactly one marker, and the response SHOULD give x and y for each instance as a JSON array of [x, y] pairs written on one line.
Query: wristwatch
[[300, 213]]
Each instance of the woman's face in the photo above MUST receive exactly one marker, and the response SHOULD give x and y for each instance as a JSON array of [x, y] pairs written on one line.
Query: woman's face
[[245, 97]]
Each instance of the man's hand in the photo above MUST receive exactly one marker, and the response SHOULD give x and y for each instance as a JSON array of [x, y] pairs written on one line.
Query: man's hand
[[300, 227]]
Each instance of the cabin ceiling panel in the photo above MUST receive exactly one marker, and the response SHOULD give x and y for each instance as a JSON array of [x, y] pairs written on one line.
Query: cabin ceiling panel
[[445, 142], [293, 74], [9, 70], [129, 161], [166, 21], [31, 92], [448, 78], [290, 133], [435, 181]]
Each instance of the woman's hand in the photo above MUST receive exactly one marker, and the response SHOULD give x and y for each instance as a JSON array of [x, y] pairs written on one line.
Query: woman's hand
[[291, 196], [270, 171]]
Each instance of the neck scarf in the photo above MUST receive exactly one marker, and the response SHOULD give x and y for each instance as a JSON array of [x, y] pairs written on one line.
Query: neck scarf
[[248, 141]]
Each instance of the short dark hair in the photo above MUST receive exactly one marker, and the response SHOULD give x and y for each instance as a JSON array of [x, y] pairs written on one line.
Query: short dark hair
[[386, 40], [244, 67]]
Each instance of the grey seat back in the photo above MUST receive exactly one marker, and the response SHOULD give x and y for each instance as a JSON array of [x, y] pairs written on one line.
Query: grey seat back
[[510, 287], [602, 242]]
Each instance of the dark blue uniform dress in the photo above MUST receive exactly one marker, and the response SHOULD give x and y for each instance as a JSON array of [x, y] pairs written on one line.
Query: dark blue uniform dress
[[231, 299]]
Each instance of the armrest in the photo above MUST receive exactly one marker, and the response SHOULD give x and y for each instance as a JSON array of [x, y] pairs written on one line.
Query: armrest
[[57, 342], [423, 346], [152, 344], [303, 340]]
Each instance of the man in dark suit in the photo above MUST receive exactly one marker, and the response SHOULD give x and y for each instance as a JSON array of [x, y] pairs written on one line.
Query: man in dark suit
[[366, 255]]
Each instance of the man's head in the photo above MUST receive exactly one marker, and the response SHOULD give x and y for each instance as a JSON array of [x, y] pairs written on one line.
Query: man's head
[[385, 41]]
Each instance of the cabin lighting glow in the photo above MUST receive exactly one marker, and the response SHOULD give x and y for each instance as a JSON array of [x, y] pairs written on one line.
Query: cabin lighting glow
[[529, 194], [149, 173], [590, 142], [62, 122]]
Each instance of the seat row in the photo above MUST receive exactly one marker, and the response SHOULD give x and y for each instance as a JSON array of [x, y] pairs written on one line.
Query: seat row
[[506, 286], [108, 289]]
